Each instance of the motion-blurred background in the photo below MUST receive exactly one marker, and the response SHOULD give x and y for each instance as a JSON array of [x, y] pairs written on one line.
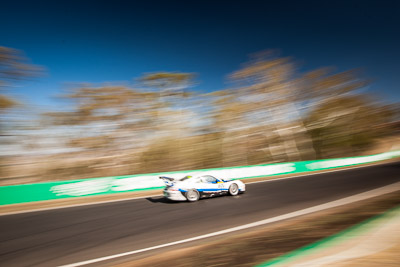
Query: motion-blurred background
[[96, 88]]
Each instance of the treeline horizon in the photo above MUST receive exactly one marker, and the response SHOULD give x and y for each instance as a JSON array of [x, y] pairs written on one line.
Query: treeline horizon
[[272, 112]]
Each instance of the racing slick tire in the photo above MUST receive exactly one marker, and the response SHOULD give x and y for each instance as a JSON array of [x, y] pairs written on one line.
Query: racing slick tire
[[233, 189], [192, 195]]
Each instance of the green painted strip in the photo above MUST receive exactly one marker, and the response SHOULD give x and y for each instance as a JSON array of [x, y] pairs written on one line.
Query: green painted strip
[[330, 240], [15, 194], [35, 192]]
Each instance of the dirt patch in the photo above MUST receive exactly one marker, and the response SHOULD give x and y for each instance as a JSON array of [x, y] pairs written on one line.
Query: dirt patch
[[388, 257], [257, 246]]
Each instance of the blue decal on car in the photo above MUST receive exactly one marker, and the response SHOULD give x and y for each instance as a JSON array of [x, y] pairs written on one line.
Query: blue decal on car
[[213, 189]]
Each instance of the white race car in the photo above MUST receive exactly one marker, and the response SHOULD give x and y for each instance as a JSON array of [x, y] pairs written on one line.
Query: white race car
[[193, 188]]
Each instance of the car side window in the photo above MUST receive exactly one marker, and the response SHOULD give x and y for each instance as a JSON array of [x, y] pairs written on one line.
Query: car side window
[[210, 179]]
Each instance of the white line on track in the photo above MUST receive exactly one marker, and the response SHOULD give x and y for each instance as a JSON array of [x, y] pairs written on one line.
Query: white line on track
[[347, 200], [128, 199]]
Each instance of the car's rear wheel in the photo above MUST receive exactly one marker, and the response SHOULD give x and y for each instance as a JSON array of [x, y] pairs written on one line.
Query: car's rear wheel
[[233, 189], [192, 195]]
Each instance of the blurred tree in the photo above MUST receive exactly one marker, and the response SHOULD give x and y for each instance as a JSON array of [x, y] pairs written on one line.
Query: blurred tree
[[13, 67], [114, 119], [267, 85], [188, 153], [169, 83], [106, 117], [228, 120], [6, 103], [172, 90], [276, 94], [346, 125]]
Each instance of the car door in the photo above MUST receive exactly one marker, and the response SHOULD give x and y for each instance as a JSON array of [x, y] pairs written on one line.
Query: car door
[[211, 184]]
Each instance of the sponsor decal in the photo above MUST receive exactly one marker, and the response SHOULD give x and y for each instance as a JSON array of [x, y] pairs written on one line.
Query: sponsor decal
[[131, 183], [105, 185], [82, 188]]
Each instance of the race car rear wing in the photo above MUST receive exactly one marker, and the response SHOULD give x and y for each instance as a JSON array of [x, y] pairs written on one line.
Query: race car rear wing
[[167, 180]]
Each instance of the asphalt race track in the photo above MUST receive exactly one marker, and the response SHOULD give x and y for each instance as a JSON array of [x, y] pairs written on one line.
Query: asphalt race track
[[69, 235]]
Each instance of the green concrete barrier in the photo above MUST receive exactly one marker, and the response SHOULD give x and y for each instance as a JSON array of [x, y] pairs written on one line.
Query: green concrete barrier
[[15, 194]]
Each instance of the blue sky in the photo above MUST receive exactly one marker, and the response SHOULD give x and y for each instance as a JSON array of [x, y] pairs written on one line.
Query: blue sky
[[117, 41]]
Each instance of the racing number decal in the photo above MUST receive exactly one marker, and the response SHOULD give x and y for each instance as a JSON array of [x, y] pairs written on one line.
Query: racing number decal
[[221, 185]]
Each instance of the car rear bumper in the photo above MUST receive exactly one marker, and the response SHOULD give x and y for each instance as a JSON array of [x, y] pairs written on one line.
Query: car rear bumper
[[174, 195]]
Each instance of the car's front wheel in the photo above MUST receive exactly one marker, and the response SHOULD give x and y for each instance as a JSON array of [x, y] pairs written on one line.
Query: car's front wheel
[[233, 189], [192, 195]]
